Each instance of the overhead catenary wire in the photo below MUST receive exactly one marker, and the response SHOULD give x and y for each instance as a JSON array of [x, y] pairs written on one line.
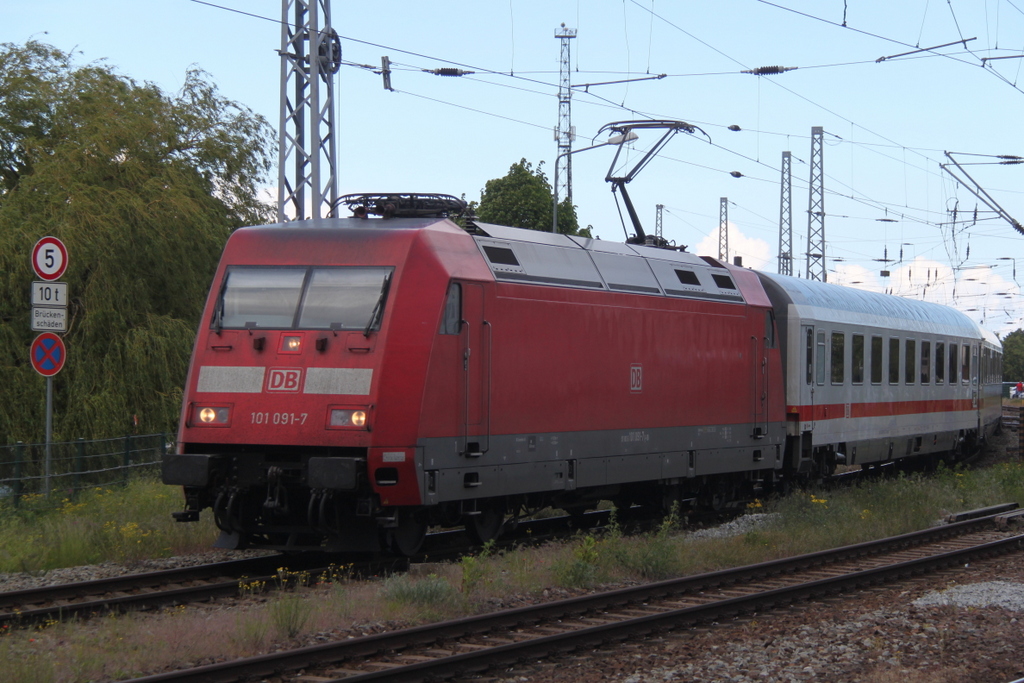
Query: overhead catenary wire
[[912, 211]]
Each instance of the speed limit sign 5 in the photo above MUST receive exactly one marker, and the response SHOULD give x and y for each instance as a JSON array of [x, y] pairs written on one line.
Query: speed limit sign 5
[[49, 258]]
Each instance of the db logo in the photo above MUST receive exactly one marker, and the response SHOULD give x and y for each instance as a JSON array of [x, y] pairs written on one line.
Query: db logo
[[636, 378], [284, 379]]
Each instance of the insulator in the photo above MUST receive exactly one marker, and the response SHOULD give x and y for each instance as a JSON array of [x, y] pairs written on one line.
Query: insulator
[[770, 70], [449, 71]]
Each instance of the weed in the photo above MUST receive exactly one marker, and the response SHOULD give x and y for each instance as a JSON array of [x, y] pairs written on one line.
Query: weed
[[289, 614], [247, 588], [580, 569], [336, 573], [474, 569], [431, 592], [286, 578], [651, 557], [251, 631], [125, 525], [23, 663]]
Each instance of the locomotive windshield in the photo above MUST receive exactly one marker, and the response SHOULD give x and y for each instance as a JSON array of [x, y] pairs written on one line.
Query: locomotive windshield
[[302, 297]]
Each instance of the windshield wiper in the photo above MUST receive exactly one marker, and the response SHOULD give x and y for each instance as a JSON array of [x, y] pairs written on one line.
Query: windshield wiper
[[218, 312], [378, 308]]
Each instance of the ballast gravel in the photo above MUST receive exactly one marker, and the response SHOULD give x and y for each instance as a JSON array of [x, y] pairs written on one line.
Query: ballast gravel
[[1005, 594], [970, 632]]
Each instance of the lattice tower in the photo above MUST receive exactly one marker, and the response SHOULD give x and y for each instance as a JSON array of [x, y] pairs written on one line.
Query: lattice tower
[[816, 210], [307, 161], [786, 216], [723, 230]]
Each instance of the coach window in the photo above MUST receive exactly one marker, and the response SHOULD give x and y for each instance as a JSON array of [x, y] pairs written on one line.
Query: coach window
[[809, 369], [858, 359], [838, 357], [926, 362], [910, 369], [940, 362], [965, 367], [894, 360], [452, 321], [974, 364], [954, 363], [819, 358], [876, 360]]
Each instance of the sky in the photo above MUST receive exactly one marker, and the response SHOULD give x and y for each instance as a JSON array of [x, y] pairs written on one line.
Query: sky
[[888, 117]]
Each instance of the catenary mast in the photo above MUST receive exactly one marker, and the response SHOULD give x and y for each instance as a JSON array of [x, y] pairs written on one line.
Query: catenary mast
[[816, 210], [307, 160], [786, 217]]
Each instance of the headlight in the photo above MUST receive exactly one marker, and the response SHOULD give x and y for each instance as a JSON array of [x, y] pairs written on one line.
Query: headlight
[[291, 343], [353, 418], [211, 416]]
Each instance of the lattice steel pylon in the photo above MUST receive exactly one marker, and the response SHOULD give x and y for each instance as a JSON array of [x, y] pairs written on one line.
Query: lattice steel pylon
[[723, 230], [307, 160], [816, 209], [660, 208], [786, 217], [564, 132]]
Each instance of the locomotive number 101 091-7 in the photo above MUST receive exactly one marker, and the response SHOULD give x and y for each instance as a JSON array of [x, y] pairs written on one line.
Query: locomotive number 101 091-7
[[267, 418]]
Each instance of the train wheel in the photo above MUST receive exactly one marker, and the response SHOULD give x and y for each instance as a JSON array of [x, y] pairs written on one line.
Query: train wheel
[[487, 525], [407, 538]]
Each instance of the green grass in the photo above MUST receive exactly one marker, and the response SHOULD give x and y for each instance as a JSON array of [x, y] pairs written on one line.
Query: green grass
[[123, 524]]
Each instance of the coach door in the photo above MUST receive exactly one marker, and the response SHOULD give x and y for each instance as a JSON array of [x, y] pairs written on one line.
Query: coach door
[[474, 372], [814, 350]]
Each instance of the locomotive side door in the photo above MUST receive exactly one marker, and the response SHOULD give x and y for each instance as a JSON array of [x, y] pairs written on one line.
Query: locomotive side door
[[760, 376], [474, 373]]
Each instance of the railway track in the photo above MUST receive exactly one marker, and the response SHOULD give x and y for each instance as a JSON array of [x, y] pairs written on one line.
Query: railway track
[[132, 591], [171, 587], [474, 644]]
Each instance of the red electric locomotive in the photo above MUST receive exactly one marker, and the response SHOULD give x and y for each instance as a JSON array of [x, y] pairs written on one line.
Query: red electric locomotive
[[357, 380]]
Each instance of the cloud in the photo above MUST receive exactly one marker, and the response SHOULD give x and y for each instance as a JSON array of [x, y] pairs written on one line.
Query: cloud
[[986, 297], [756, 253]]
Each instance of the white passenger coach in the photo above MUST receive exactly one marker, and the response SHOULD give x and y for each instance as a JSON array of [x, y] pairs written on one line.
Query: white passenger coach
[[873, 377]]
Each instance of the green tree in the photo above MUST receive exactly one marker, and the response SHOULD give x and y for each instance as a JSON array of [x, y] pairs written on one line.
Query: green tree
[[143, 188], [1013, 356], [523, 199]]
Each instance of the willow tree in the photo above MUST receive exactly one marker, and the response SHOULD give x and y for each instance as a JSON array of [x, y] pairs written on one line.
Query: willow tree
[[143, 187]]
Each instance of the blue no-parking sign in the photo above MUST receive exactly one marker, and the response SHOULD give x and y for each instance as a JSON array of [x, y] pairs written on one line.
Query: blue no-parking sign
[[48, 354]]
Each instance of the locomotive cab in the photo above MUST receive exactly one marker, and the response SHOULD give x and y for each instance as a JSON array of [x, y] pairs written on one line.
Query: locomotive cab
[[302, 402]]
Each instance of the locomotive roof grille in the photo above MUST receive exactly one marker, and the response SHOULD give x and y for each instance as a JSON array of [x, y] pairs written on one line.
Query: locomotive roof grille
[[528, 256]]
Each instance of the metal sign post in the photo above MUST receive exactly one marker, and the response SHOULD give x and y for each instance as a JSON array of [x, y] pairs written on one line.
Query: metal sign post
[[49, 314], [48, 355]]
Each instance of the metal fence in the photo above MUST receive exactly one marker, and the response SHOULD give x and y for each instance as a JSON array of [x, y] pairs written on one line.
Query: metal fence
[[77, 465]]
